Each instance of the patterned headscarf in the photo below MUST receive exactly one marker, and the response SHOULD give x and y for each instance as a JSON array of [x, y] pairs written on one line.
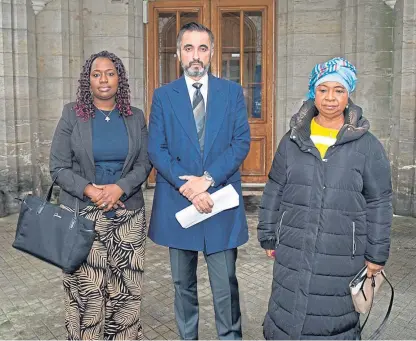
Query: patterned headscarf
[[336, 69]]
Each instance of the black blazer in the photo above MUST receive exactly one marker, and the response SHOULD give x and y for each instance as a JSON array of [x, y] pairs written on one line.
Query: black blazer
[[72, 150]]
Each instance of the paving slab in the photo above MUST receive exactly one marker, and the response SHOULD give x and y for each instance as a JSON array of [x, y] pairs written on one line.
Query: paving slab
[[31, 292]]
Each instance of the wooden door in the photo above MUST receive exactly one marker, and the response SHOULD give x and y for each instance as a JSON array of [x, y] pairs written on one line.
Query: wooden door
[[244, 53]]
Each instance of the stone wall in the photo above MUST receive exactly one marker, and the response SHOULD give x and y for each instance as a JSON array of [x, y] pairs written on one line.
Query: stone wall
[[381, 43], [60, 57], [118, 28], [313, 31], [308, 32], [68, 32], [19, 166], [41, 58], [40, 62], [367, 41], [403, 114]]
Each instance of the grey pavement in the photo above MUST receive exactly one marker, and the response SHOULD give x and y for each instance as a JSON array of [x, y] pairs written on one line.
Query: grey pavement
[[31, 293]]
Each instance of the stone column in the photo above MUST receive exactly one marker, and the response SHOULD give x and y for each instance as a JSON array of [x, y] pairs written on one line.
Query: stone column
[[281, 69], [106, 27], [309, 32], [367, 41], [403, 144], [124, 37], [59, 58], [136, 45], [18, 104]]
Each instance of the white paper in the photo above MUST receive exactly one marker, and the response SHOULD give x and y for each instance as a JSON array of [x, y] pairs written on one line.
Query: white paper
[[223, 199]]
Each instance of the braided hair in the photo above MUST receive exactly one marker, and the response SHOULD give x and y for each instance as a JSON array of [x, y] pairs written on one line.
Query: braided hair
[[84, 106]]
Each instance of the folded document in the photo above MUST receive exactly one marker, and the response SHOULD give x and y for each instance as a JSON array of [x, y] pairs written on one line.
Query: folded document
[[223, 199]]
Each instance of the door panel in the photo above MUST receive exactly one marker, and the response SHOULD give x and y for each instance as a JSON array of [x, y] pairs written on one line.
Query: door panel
[[245, 32], [244, 36]]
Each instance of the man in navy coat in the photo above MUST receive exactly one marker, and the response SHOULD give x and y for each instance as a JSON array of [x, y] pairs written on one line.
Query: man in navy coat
[[198, 138]]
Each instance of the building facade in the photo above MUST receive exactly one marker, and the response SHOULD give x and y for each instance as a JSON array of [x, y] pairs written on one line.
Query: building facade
[[268, 46]]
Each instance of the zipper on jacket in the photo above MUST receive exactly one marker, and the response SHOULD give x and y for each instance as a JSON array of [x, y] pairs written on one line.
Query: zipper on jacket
[[280, 228], [354, 245]]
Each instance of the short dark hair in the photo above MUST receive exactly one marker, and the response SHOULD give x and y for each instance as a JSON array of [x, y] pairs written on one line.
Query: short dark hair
[[194, 26]]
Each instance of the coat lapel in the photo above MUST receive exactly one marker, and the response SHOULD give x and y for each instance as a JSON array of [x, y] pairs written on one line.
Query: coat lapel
[[128, 121], [216, 110], [85, 131], [179, 97]]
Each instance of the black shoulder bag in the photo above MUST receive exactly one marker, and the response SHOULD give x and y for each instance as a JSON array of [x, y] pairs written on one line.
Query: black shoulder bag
[[53, 234]]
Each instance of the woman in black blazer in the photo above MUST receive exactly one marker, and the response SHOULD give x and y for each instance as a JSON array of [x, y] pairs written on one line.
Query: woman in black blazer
[[100, 146]]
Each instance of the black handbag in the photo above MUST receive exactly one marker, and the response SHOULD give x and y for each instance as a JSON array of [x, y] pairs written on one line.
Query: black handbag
[[53, 234]]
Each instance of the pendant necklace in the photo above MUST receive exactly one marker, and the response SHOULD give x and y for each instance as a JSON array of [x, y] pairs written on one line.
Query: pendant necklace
[[107, 117]]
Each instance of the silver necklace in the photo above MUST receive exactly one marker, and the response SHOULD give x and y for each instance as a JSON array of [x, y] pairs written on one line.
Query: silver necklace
[[107, 117]]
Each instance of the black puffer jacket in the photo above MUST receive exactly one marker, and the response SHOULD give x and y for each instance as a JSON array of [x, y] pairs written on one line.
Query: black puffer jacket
[[323, 217]]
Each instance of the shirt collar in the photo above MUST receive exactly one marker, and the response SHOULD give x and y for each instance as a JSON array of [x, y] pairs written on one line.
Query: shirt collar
[[203, 81]]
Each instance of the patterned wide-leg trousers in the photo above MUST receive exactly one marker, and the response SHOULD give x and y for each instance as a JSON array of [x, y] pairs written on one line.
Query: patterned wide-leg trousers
[[102, 298]]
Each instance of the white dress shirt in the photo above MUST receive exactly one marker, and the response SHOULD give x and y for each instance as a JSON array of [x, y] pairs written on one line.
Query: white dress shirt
[[204, 88]]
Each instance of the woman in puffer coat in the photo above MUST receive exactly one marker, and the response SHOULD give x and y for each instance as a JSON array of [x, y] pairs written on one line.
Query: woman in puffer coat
[[326, 211]]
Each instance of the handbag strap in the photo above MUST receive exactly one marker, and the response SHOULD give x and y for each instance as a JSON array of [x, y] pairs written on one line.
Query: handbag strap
[[377, 332], [49, 195], [373, 284]]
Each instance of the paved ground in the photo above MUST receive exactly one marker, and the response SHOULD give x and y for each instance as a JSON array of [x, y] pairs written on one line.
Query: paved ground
[[31, 299]]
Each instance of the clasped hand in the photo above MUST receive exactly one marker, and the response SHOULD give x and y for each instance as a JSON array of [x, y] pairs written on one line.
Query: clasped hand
[[105, 197], [203, 203], [373, 269], [195, 190]]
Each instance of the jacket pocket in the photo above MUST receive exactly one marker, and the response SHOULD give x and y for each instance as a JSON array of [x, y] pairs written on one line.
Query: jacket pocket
[[279, 230]]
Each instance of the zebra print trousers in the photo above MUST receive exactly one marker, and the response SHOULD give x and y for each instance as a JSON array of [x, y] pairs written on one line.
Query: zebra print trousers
[[102, 298]]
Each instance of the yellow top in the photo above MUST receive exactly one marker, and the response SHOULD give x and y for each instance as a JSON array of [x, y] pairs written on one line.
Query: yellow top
[[322, 137]]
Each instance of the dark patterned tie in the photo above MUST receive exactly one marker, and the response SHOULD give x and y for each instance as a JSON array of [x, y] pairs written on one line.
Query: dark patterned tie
[[198, 106]]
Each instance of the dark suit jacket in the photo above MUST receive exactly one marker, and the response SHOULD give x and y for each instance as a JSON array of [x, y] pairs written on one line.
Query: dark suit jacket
[[72, 150], [174, 150]]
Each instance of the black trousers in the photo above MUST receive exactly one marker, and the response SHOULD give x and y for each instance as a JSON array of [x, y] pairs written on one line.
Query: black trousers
[[224, 286]]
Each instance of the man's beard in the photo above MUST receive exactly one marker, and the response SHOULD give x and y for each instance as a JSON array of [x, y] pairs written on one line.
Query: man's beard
[[196, 73]]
